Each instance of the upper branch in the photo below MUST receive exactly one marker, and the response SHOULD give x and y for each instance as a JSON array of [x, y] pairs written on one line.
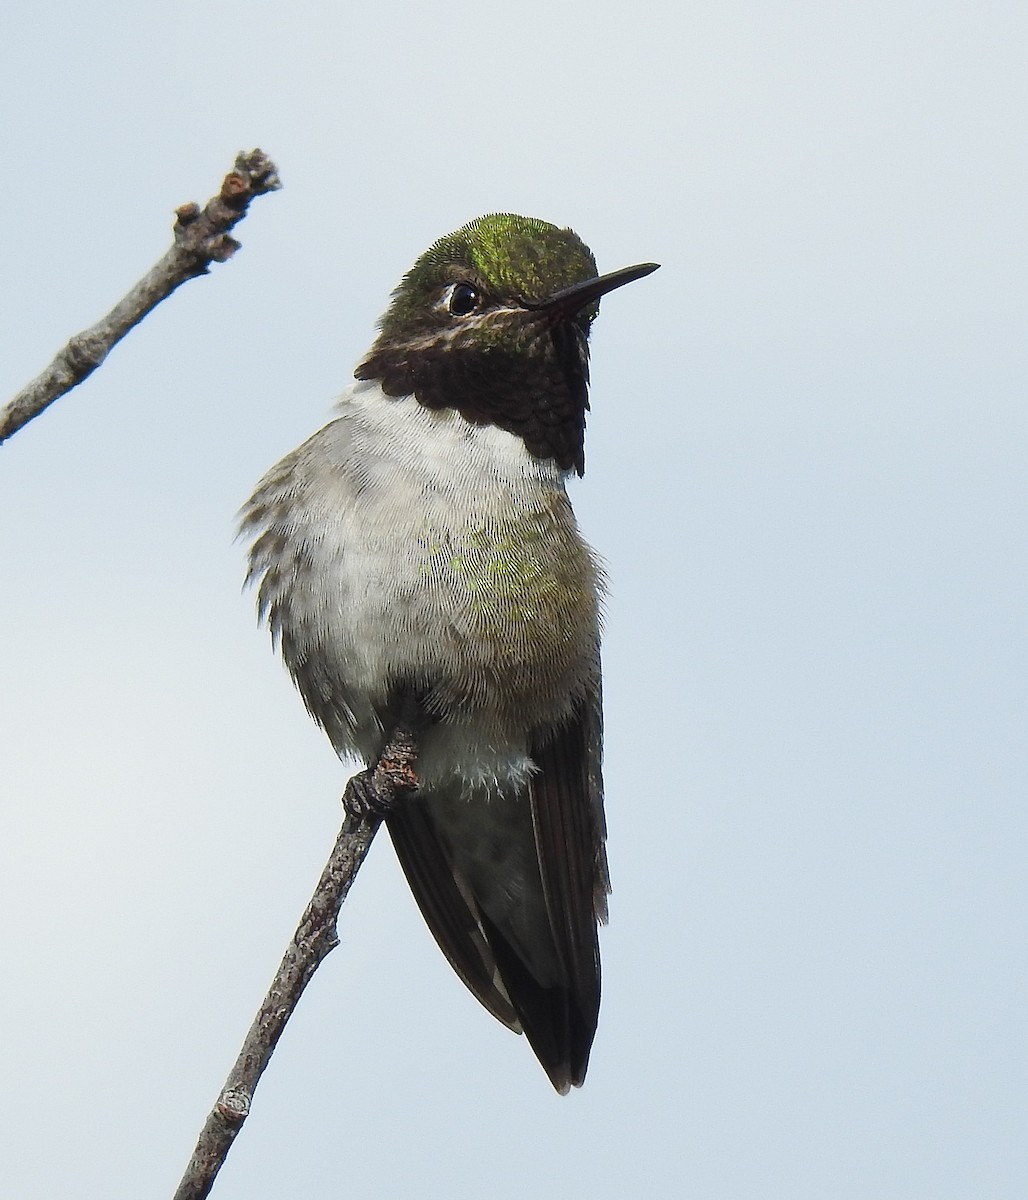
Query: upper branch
[[201, 237]]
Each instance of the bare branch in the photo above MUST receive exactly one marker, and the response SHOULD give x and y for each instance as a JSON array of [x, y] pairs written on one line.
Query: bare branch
[[201, 237], [392, 780]]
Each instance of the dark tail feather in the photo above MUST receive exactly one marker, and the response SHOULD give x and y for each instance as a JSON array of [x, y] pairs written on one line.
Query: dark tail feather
[[559, 1032]]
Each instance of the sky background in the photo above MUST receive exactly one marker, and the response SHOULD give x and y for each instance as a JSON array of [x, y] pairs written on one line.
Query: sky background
[[806, 472]]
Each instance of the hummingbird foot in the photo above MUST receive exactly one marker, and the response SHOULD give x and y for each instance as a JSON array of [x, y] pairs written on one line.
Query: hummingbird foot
[[364, 799], [374, 793]]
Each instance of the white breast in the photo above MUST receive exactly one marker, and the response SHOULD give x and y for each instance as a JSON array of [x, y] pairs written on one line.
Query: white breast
[[407, 543]]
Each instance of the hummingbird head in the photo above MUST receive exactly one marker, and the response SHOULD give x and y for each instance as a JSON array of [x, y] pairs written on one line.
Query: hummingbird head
[[493, 321]]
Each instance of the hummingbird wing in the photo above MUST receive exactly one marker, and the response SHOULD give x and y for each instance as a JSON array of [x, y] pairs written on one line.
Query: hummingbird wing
[[507, 958], [567, 815], [448, 907]]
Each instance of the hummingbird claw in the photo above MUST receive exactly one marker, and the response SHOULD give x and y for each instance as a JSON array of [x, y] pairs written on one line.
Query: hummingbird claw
[[365, 800], [374, 793]]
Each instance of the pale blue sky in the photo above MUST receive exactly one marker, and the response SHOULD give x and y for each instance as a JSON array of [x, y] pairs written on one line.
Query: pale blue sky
[[806, 472]]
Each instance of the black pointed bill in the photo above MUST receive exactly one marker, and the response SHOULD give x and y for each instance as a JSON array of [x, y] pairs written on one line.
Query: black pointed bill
[[573, 299]]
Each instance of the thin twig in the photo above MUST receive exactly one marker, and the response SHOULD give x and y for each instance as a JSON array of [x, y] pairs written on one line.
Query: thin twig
[[392, 779], [201, 237]]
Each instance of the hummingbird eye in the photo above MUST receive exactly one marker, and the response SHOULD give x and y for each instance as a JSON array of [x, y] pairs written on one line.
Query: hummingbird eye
[[464, 299]]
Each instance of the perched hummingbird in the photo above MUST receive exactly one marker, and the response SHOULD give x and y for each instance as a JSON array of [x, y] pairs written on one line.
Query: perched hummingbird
[[421, 548]]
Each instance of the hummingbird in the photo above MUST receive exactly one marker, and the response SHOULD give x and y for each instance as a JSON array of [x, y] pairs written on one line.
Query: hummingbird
[[421, 549]]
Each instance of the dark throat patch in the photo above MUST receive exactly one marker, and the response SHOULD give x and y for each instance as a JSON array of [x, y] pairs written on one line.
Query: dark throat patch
[[526, 373]]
